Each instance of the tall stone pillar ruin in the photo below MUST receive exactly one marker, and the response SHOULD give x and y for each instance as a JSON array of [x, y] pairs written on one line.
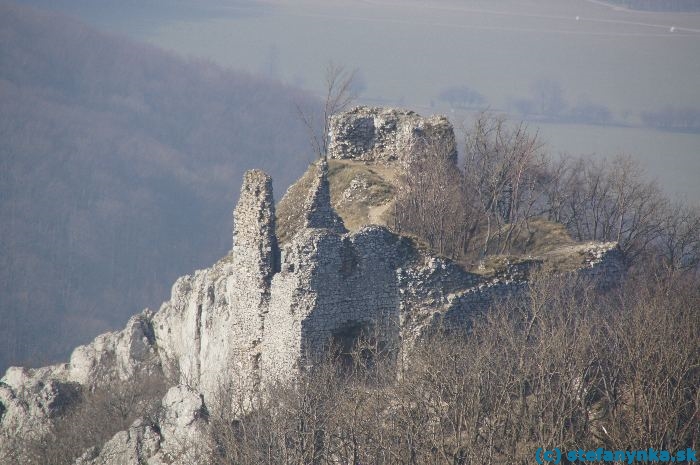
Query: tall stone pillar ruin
[[255, 249]]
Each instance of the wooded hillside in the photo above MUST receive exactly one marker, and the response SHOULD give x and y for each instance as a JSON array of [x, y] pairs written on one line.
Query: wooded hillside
[[119, 169]]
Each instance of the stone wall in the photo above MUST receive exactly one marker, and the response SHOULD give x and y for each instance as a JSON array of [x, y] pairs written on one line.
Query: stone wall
[[603, 262], [255, 248], [386, 134]]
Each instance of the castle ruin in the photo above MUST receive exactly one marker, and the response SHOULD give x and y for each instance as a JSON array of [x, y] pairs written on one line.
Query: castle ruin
[[267, 309]]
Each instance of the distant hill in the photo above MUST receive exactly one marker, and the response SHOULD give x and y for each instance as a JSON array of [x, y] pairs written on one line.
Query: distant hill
[[119, 167], [659, 5]]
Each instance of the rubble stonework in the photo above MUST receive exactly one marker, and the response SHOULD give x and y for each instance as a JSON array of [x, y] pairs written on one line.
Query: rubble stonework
[[385, 134], [317, 207], [261, 314], [254, 241]]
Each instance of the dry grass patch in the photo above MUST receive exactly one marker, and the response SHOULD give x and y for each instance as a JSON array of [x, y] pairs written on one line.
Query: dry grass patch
[[289, 212], [361, 193], [539, 236]]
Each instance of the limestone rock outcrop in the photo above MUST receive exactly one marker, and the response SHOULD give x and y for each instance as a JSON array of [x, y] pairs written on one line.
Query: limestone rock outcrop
[[117, 356], [140, 444], [176, 437], [31, 398]]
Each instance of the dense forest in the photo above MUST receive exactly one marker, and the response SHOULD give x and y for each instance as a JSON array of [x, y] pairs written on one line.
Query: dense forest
[[119, 168]]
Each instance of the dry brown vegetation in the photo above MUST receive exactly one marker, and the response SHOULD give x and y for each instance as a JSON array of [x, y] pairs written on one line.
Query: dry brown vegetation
[[85, 424], [508, 198], [358, 191], [566, 368]]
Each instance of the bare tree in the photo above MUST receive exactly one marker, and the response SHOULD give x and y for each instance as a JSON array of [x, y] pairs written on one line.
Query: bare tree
[[430, 203], [340, 91], [549, 97], [679, 245], [503, 170], [648, 373], [611, 201]]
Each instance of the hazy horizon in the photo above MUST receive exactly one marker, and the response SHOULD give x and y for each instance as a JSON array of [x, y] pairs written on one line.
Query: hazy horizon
[[597, 57]]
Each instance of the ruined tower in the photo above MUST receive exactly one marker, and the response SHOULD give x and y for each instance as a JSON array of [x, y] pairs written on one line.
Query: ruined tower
[[318, 211], [255, 249]]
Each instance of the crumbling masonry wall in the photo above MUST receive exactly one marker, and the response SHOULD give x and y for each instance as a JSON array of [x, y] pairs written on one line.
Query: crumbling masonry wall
[[331, 284], [385, 134], [259, 315]]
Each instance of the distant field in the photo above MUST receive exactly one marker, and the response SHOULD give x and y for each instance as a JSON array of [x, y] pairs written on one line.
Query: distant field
[[626, 62], [657, 5]]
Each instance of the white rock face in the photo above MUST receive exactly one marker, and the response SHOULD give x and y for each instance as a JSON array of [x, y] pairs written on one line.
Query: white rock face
[[138, 445], [30, 397], [116, 356], [210, 331], [178, 437], [183, 425]]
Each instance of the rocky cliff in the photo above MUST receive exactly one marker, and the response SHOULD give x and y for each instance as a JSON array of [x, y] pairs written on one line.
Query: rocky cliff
[[267, 310]]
